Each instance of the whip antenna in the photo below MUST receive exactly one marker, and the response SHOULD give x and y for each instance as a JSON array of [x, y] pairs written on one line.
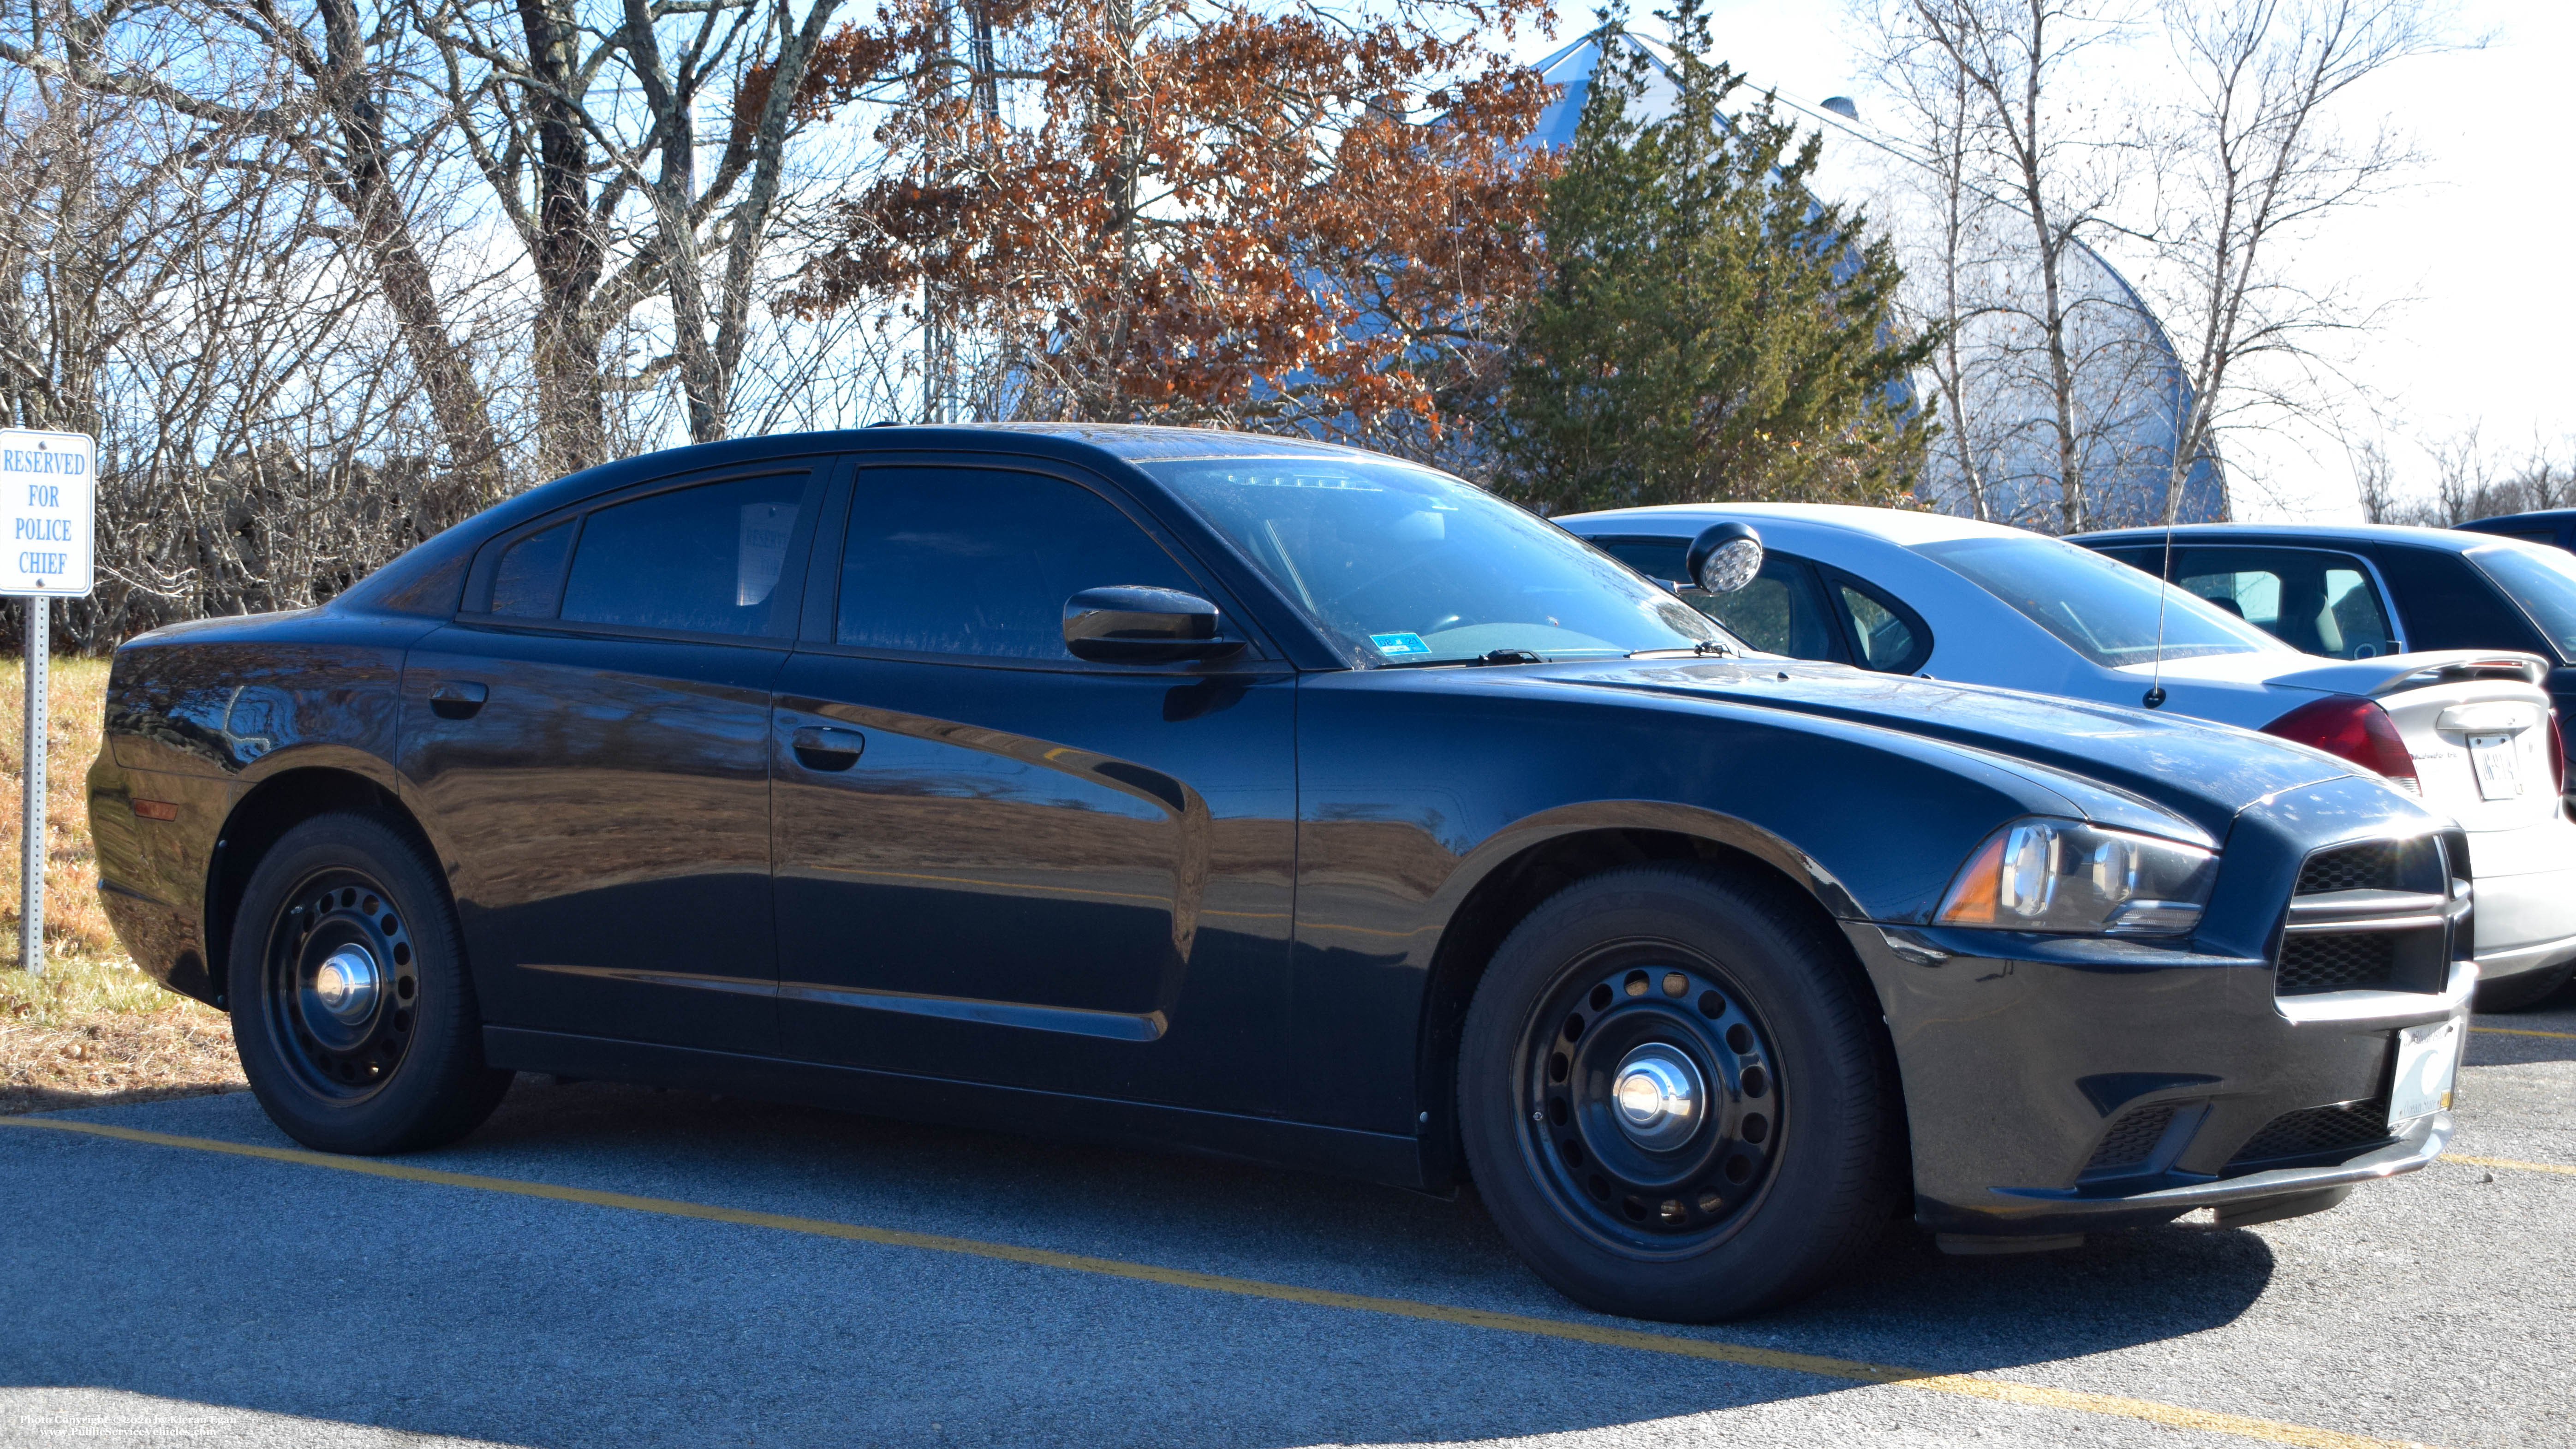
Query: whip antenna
[[2164, 585]]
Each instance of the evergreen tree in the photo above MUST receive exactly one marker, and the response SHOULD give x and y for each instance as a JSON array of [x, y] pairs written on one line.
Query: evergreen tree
[[1711, 329]]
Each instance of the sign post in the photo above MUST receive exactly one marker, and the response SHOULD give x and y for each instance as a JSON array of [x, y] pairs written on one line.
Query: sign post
[[49, 497]]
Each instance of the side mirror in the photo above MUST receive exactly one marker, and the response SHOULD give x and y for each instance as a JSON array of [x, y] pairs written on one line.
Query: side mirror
[[1725, 557], [1131, 624]]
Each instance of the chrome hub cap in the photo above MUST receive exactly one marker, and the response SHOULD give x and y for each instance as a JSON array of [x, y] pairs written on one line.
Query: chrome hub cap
[[342, 984], [1659, 1097], [346, 984]]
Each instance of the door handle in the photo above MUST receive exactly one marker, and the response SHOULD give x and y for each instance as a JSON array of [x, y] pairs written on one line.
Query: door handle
[[818, 748], [456, 698]]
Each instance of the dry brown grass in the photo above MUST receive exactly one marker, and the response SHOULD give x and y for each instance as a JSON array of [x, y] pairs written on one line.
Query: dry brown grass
[[92, 1029]]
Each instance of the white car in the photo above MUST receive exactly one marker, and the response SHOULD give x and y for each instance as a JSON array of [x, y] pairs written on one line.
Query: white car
[[1926, 593]]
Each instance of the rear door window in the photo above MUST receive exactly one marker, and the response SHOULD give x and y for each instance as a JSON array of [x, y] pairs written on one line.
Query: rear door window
[[703, 560], [2315, 600]]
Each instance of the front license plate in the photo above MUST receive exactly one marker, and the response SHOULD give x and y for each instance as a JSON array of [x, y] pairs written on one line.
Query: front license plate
[[2499, 773], [2428, 1059]]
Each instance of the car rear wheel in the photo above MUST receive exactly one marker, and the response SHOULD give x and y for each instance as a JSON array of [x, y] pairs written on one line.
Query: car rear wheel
[[1673, 1098], [351, 1005]]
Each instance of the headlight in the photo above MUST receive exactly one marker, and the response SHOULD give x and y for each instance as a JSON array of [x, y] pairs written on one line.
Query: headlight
[[2059, 875]]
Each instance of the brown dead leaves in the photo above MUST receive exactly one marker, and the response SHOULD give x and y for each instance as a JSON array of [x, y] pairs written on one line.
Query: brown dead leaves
[[1206, 212], [107, 1058]]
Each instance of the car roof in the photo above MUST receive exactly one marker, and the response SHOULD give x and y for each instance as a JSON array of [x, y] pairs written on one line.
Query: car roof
[[2551, 516], [1140, 442], [1128, 443], [1907, 526], [2343, 533]]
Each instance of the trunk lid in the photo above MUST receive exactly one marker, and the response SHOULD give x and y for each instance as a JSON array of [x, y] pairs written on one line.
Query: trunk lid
[[2476, 722]]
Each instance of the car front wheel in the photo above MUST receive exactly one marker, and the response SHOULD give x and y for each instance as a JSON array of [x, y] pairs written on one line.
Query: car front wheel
[[351, 1005], [1673, 1096]]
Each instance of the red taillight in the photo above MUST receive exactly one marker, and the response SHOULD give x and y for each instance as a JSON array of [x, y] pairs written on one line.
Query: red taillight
[[2350, 727]]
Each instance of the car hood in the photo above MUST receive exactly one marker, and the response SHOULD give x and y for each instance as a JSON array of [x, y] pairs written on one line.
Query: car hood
[[2201, 771]]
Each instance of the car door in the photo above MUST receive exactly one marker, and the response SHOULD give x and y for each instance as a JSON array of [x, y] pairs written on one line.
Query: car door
[[996, 861], [591, 739]]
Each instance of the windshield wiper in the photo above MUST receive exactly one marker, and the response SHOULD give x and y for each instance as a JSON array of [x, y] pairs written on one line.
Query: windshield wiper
[[1490, 656], [1700, 650]]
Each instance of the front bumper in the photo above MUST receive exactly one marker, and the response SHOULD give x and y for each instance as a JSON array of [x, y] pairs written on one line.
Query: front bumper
[[2025, 1060]]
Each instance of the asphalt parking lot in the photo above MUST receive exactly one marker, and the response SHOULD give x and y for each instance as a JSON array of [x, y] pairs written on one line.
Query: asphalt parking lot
[[621, 1267]]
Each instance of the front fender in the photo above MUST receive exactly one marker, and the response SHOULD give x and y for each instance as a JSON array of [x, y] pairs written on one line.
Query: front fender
[[1416, 788]]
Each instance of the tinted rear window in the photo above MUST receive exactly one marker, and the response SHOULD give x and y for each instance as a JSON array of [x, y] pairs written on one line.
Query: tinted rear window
[[703, 560], [2544, 584], [2447, 604], [523, 587]]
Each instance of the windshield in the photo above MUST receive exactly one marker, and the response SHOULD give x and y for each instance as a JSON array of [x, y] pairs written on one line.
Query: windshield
[[1408, 566], [2543, 581], [2103, 609]]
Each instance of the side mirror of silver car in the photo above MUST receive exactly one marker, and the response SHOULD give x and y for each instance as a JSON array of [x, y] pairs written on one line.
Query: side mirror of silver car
[[1725, 557], [1131, 624]]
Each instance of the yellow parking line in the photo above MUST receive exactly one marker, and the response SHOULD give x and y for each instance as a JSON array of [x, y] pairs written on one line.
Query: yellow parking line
[[2557, 1167], [2174, 1416], [2525, 1031]]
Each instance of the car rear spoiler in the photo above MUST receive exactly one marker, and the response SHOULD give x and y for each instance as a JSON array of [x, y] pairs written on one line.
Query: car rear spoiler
[[2394, 673]]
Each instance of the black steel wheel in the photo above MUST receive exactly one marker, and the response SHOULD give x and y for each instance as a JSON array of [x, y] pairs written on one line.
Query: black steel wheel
[[340, 984], [351, 1005], [1674, 1097], [1653, 1107]]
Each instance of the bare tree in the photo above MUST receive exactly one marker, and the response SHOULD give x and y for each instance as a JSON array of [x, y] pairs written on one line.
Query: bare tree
[[587, 129], [182, 288], [1951, 251], [319, 85], [2052, 379], [2469, 482], [1992, 78], [2251, 161]]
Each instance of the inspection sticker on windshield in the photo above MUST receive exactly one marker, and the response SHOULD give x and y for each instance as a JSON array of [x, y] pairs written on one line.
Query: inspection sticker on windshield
[[1396, 646], [2428, 1058], [2498, 775]]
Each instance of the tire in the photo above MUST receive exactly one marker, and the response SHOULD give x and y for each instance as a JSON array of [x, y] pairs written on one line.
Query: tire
[[382, 1052], [2520, 993], [1790, 1172]]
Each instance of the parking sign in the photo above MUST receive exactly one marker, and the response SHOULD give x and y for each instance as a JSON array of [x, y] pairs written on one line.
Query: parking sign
[[48, 494]]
